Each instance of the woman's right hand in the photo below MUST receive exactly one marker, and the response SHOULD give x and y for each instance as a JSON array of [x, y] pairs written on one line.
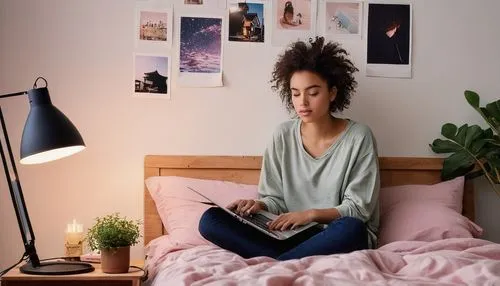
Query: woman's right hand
[[246, 207]]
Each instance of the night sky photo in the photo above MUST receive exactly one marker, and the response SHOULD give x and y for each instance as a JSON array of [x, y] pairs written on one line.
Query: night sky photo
[[200, 44]]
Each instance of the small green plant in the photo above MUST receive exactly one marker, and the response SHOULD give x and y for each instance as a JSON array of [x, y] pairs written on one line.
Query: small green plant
[[474, 151], [112, 231]]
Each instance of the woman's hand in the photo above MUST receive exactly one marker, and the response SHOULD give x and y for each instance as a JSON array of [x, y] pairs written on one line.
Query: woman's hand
[[246, 207], [292, 220]]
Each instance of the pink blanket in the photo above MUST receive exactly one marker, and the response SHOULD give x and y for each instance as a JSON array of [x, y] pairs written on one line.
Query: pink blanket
[[464, 261]]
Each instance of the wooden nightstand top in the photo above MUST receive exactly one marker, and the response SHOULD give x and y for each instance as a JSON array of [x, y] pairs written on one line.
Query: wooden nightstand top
[[96, 277]]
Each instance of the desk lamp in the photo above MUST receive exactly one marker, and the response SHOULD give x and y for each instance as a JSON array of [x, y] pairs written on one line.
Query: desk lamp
[[48, 135]]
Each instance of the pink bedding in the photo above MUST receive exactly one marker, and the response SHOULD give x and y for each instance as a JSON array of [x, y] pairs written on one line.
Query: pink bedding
[[453, 261]]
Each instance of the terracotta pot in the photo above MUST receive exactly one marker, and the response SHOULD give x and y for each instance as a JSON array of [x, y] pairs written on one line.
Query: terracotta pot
[[115, 260]]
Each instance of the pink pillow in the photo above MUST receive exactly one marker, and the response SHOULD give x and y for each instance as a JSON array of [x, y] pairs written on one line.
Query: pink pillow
[[180, 208], [424, 213], [448, 193]]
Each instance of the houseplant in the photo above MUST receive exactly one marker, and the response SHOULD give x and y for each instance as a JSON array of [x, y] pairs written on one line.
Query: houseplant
[[474, 151], [113, 235]]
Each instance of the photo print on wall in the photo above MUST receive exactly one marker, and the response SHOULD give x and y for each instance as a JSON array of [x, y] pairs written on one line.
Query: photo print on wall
[[294, 15], [153, 31], [341, 19], [200, 51], [246, 22], [293, 19], [389, 40], [152, 76], [153, 26], [216, 4], [193, 2]]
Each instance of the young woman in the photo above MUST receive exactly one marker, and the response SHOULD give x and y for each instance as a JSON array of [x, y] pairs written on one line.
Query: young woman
[[317, 167]]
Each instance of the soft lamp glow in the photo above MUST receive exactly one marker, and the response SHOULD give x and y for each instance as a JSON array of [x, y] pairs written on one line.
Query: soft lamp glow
[[51, 155]]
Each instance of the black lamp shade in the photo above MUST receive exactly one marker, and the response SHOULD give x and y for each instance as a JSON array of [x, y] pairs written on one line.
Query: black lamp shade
[[48, 134]]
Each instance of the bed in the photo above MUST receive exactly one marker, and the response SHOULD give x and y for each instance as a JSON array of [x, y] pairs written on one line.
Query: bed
[[435, 256]]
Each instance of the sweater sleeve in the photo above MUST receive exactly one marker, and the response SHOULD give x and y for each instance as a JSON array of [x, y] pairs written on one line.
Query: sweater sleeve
[[270, 182], [360, 198]]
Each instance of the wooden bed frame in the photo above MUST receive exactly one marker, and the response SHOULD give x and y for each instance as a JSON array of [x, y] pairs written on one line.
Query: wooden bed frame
[[246, 169]]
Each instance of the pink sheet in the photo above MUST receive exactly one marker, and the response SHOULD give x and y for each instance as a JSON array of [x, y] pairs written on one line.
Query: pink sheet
[[454, 261]]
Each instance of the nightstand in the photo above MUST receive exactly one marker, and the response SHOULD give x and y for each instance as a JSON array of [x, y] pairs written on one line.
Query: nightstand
[[96, 278]]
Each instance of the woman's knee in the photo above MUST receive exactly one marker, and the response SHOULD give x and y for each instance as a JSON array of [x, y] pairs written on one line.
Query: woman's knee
[[209, 220], [350, 225]]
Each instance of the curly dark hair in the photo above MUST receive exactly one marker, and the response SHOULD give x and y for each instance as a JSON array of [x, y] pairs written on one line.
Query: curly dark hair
[[329, 61]]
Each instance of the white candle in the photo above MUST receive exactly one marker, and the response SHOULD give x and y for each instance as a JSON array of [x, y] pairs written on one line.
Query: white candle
[[73, 239]]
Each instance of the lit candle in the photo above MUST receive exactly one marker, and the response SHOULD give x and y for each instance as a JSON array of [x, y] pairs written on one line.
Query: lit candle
[[74, 239]]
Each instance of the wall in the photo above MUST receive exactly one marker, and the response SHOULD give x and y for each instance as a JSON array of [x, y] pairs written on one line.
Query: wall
[[85, 48]]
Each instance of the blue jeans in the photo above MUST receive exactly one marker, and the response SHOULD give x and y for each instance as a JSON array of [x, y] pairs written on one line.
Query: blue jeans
[[342, 235]]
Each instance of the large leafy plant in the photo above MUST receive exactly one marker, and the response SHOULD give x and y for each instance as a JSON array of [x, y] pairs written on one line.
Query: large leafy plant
[[112, 231], [474, 151]]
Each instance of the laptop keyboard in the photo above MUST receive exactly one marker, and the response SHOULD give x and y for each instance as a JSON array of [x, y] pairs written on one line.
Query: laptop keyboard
[[259, 220]]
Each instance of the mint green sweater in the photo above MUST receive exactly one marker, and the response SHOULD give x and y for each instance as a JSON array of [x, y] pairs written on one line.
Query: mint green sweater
[[345, 177]]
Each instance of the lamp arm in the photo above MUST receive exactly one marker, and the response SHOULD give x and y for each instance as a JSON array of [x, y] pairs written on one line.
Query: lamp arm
[[18, 198], [25, 92], [14, 94]]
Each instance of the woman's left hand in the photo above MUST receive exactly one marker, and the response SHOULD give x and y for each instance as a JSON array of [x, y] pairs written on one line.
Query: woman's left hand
[[292, 220]]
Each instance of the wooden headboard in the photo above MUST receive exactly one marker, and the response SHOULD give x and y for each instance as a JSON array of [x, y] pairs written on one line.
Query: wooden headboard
[[394, 171]]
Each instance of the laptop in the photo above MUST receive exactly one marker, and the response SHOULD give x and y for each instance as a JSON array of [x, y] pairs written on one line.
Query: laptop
[[259, 220]]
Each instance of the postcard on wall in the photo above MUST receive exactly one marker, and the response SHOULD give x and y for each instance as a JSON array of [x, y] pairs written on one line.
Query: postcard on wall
[[246, 22], [389, 40], [153, 31], [292, 20], [340, 19], [220, 4], [200, 51], [193, 2], [152, 76]]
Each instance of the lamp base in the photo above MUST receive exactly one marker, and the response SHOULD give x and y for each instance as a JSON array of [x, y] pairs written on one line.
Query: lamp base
[[57, 268]]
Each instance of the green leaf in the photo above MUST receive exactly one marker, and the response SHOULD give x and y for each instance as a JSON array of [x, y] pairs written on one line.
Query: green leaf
[[477, 145], [462, 131], [489, 118], [472, 98], [485, 150], [494, 109], [488, 134], [448, 130], [493, 142], [445, 146], [458, 164], [493, 158], [492, 164], [484, 111], [495, 122], [473, 132]]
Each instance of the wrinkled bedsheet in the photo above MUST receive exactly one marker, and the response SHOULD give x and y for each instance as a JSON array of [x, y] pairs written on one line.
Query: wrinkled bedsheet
[[456, 261]]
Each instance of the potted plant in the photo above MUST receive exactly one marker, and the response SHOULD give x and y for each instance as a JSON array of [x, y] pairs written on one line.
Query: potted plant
[[474, 151], [113, 235]]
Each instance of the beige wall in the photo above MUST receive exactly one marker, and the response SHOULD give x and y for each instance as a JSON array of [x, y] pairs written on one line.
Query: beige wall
[[85, 48]]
